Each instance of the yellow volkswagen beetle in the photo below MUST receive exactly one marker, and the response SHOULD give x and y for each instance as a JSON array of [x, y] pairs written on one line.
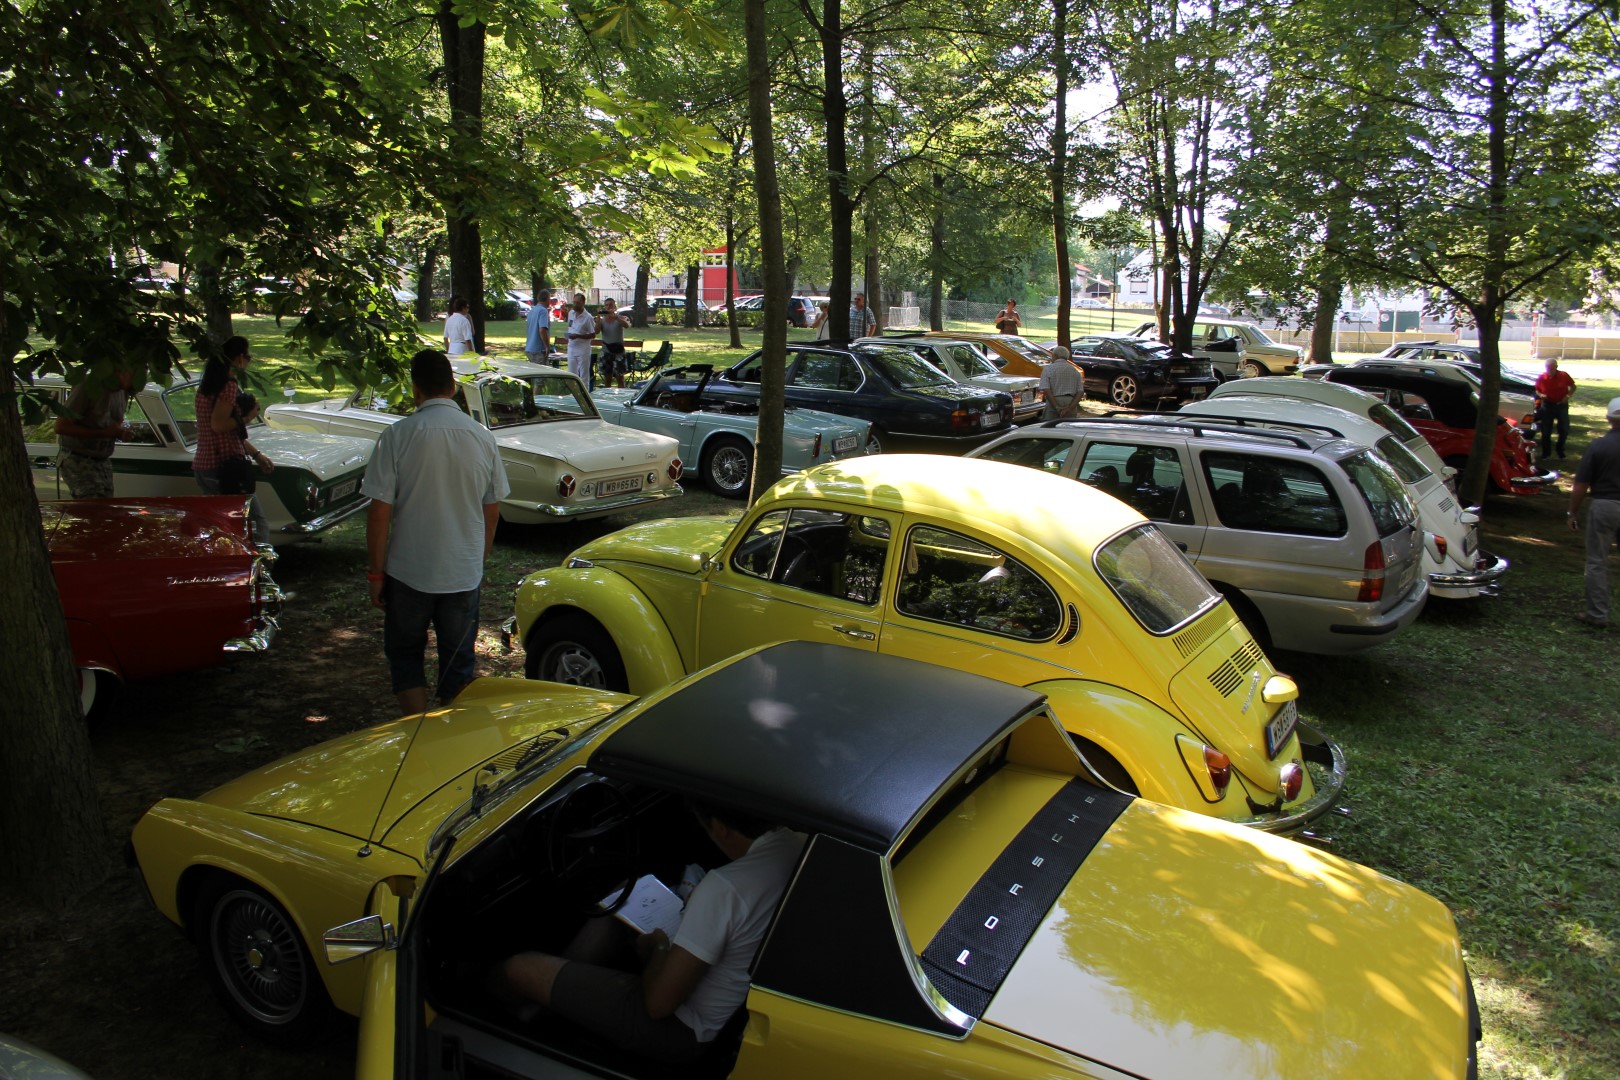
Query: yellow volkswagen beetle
[[966, 903], [976, 565]]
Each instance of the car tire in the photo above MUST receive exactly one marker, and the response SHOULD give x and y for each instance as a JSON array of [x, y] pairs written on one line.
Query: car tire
[[258, 964], [728, 466], [575, 650], [874, 440], [1104, 764], [1124, 391], [1249, 369]]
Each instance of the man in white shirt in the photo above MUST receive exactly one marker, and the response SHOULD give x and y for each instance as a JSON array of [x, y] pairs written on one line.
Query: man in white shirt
[[688, 988], [436, 482], [458, 329], [581, 329], [1062, 385]]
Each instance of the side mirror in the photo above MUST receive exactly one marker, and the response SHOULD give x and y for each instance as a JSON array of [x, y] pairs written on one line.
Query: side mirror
[[358, 938]]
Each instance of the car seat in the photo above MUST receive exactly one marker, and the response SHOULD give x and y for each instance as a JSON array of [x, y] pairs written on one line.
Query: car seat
[[1105, 479], [1139, 467]]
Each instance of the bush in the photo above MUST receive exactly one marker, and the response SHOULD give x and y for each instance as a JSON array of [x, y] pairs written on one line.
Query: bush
[[504, 310]]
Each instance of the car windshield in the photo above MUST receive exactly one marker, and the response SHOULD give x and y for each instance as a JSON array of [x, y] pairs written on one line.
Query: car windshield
[[1027, 348], [181, 401], [535, 399], [1382, 491], [1258, 336], [902, 367], [1154, 580]]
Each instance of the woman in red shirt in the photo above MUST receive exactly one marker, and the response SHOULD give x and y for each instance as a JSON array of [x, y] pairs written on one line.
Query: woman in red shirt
[[220, 439]]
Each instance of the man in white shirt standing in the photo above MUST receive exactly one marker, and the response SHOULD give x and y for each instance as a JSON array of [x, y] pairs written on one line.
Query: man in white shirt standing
[[1062, 385], [458, 329], [688, 988], [436, 483], [581, 329]]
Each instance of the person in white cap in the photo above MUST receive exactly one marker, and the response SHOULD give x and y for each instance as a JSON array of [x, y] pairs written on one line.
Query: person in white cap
[[1598, 475], [1062, 385]]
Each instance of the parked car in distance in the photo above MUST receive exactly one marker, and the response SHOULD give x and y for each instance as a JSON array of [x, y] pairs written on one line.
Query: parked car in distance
[[717, 436], [1313, 539], [315, 484], [1261, 355], [563, 461], [1091, 303], [156, 586], [1013, 354], [1516, 380], [888, 387], [1224, 352], [972, 564], [1512, 406], [1134, 374], [523, 300], [1457, 566], [672, 309], [962, 362], [1445, 408], [908, 832]]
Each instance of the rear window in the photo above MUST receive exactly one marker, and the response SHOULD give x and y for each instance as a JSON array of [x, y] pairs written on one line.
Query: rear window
[[1392, 422], [1154, 580], [1263, 493], [1382, 491], [1405, 463], [904, 369]]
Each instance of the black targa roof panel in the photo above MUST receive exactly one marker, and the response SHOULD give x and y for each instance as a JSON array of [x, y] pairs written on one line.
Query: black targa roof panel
[[824, 738]]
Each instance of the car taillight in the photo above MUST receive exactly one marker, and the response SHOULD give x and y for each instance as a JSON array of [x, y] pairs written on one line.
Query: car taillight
[[1292, 777], [1372, 577], [815, 449], [962, 418], [1440, 544], [1220, 768], [674, 469], [565, 486]]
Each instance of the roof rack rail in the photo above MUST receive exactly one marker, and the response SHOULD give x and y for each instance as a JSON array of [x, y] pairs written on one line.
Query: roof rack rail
[[1198, 427], [1244, 421]]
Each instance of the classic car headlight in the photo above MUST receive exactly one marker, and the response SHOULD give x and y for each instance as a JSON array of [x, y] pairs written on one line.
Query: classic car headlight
[[565, 486]]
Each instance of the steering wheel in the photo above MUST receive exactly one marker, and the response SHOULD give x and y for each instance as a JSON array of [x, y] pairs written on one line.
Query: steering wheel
[[586, 841]]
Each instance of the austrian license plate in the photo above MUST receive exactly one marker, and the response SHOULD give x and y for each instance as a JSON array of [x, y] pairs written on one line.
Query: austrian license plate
[[847, 442], [618, 487], [1280, 727], [343, 490], [992, 417]]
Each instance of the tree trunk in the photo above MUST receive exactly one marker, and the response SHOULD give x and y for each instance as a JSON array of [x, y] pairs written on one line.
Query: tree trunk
[[692, 320], [55, 845], [1060, 160], [638, 314], [835, 115], [936, 258], [768, 442], [464, 85], [424, 282], [731, 299], [216, 306], [871, 269]]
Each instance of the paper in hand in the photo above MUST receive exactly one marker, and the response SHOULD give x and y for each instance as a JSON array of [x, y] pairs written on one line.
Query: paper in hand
[[651, 906]]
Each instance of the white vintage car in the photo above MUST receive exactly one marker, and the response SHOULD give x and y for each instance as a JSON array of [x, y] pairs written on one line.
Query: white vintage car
[[315, 484], [562, 459]]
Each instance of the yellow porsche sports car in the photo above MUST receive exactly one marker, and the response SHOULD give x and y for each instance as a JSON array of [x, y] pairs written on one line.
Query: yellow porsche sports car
[[968, 903], [997, 570]]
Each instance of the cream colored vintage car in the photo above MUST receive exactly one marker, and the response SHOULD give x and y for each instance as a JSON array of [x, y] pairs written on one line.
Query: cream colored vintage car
[[563, 460]]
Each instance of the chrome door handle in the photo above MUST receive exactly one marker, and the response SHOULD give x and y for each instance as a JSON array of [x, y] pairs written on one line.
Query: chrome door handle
[[856, 632]]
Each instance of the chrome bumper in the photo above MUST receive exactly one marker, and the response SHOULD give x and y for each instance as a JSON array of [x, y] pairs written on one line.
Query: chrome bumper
[[618, 502], [268, 599], [1320, 750], [1488, 570], [1540, 480], [326, 521]]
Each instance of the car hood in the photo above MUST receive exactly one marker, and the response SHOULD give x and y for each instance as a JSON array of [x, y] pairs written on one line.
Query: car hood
[[1175, 951], [119, 530], [362, 784], [590, 445], [1007, 384], [325, 456], [673, 543]]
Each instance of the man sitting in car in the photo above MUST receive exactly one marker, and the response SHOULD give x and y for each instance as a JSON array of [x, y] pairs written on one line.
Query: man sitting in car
[[685, 990]]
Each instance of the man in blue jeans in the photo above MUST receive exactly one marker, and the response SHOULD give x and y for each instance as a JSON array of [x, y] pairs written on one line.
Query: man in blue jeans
[[1598, 475], [436, 483]]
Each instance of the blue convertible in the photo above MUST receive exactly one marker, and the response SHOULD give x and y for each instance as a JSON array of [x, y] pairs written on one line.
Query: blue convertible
[[717, 433]]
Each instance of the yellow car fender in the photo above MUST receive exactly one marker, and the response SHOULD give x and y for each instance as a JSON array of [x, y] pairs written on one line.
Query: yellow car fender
[[644, 641], [319, 877], [1140, 735]]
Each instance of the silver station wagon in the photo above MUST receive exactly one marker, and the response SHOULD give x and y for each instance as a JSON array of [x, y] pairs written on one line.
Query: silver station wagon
[[1312, 538]]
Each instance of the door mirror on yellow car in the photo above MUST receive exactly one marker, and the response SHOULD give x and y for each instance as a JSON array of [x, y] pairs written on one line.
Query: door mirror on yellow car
[[358, 938]]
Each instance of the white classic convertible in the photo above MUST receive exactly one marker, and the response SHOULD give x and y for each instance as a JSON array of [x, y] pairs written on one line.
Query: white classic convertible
[[562, 459]]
